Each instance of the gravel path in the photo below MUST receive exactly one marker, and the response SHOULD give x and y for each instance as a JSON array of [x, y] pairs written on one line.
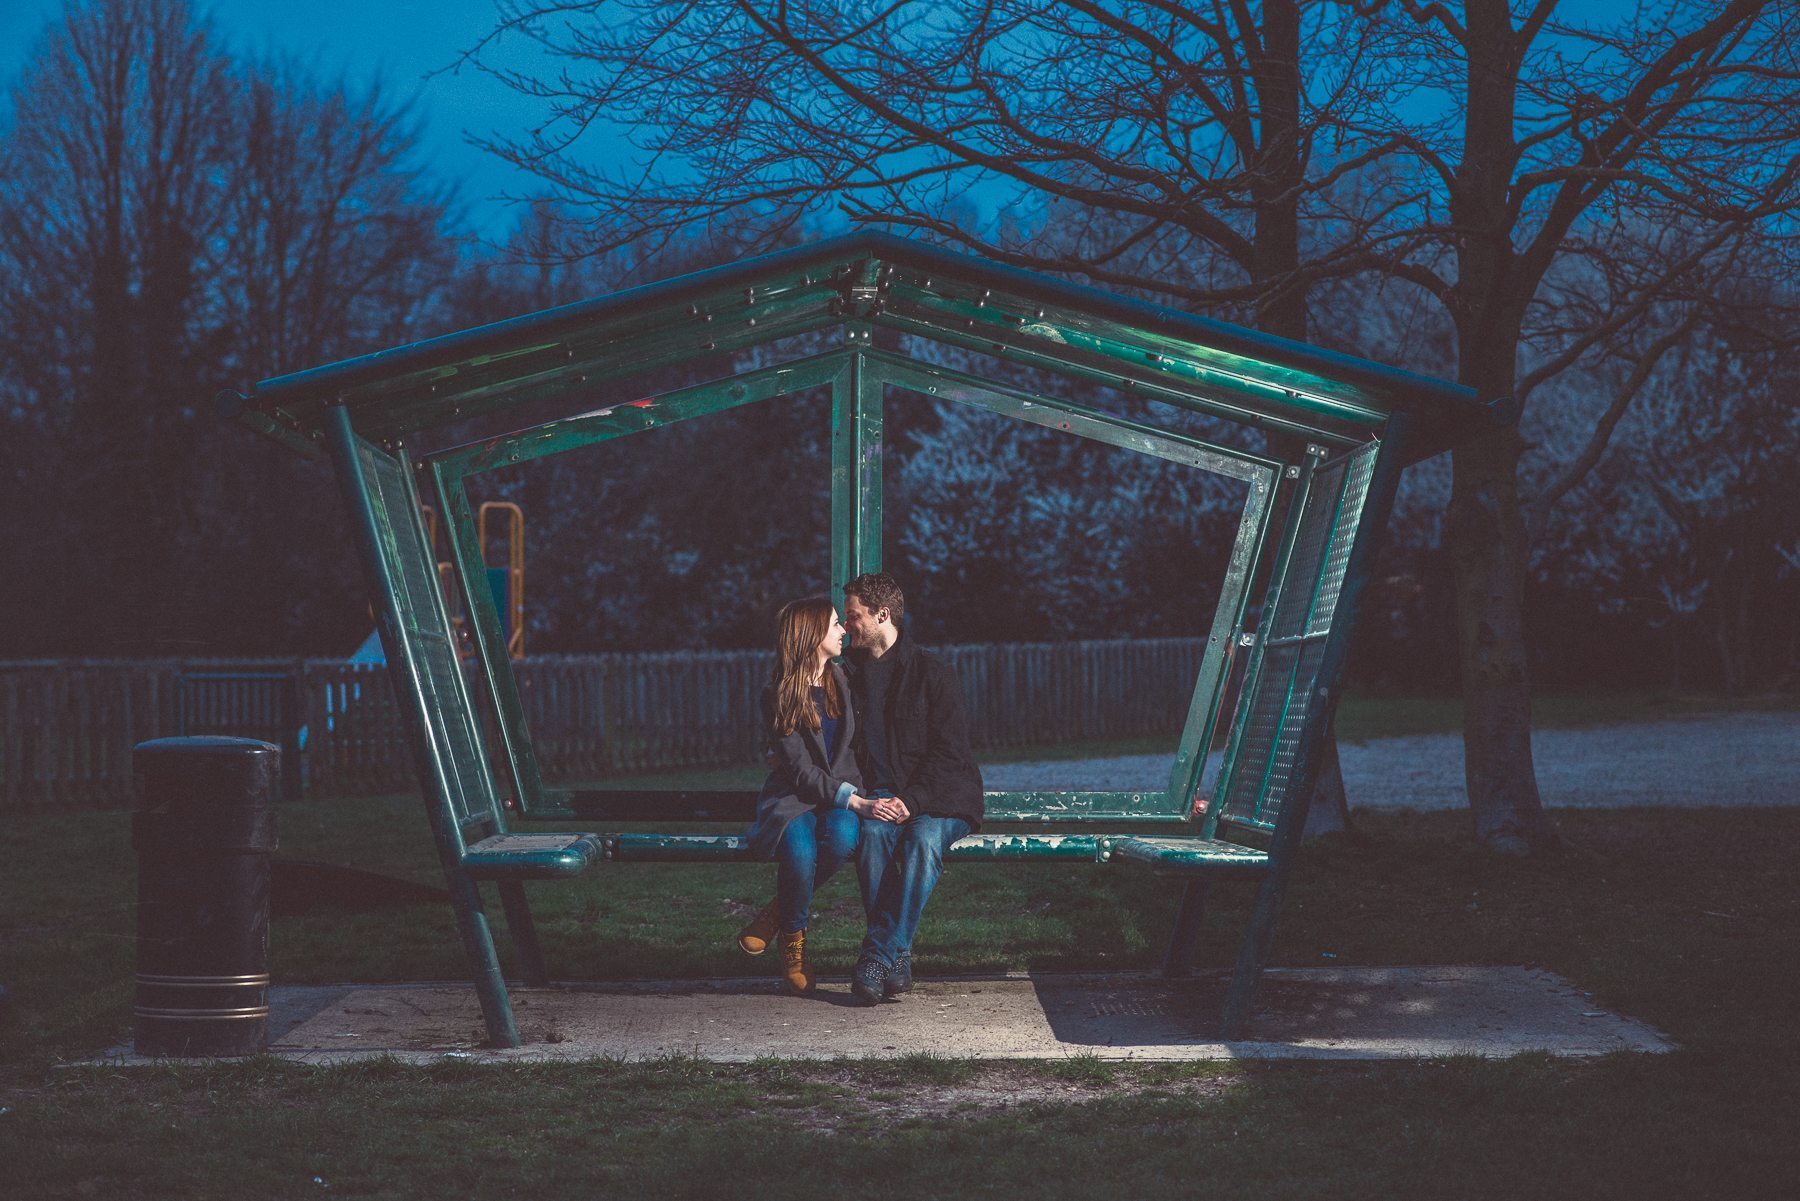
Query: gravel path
[[1731, 759]]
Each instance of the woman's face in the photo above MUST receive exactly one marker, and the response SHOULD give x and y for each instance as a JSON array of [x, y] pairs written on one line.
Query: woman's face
[[833, 645]]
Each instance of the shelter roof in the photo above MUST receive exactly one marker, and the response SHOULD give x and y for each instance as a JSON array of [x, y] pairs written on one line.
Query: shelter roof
[[869, 279]]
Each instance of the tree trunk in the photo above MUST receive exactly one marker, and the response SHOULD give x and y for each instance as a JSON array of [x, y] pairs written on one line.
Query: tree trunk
[[1675, 654], [1488, 550], [1486, 523], [1731, 672]]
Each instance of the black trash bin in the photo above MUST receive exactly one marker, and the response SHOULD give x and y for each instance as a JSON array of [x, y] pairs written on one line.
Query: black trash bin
[[204, 833]]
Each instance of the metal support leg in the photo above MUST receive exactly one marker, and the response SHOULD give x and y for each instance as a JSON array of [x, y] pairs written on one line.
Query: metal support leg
[[524, 933], [1179, 959], [1251, 954], [478, 945]]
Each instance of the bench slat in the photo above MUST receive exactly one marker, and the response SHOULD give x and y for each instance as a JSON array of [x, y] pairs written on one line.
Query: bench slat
[[676, 848], [1168, 854], [1189, 855], [531, 856], [1088, 847], [722, 805], [706, 848]]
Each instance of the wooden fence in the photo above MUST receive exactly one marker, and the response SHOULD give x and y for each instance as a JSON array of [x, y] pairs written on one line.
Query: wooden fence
[[67, 727]]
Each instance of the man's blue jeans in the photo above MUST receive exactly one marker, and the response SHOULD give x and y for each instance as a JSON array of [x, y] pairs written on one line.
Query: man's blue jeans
[[898, 864], [813, 847]]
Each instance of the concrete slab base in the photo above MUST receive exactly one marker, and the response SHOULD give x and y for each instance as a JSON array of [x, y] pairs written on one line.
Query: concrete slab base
[[1301, 1013]]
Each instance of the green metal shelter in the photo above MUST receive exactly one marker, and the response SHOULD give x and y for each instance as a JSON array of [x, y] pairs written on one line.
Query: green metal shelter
[[1310, 526]]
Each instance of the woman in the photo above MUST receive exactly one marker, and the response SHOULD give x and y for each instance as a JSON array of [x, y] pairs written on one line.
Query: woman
[[808, 814]]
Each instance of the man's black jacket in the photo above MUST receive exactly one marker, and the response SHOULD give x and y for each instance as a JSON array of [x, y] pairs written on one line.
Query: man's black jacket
[[927, 734]]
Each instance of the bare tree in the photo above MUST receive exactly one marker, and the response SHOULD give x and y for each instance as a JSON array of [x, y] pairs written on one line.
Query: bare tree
[[172, 221], [1530, 132], [1145, 128], [109, 198], [333, 237]]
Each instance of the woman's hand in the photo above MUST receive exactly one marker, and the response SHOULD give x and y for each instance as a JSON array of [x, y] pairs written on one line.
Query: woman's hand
[[887, 808]]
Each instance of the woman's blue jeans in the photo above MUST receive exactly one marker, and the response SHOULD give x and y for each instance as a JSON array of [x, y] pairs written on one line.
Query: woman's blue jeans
[[813, 847]]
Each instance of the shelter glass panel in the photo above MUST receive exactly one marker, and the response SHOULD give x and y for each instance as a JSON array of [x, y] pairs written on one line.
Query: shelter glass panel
[[1260, 770], [449, 720]]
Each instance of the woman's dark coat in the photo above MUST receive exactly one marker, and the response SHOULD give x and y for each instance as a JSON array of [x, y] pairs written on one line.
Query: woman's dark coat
[[803, 779]]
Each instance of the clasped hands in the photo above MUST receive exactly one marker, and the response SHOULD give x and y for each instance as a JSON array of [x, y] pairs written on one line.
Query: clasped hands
[[886, 808]]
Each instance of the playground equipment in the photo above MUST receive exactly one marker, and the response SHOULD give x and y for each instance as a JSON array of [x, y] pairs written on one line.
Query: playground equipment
[[1316, 501], [506, 582]]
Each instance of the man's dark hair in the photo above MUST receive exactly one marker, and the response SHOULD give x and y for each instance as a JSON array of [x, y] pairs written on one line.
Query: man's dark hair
[[877, 590]]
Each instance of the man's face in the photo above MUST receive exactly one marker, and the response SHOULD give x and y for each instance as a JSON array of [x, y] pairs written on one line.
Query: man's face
[[861, 622]]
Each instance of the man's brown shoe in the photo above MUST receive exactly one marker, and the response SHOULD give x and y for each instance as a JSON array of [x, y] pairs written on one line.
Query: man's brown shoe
[[755, 938], [793, 961]]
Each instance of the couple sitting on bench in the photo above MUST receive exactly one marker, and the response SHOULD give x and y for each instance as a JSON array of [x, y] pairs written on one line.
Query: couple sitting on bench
[[871, 760]]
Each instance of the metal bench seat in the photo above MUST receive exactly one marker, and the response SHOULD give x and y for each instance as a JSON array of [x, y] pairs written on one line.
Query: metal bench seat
[[1167, 855], [715, 848], [531, 856], [1186, 856]]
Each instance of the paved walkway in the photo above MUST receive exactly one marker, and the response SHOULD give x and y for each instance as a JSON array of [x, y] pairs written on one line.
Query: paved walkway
[[1729, 759], [1300, 1013]]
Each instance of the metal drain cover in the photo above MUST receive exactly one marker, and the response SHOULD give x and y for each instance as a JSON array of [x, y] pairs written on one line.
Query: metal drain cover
[[1131, 1007]]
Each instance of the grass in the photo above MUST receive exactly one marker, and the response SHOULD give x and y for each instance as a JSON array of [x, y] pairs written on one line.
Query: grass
[[1620, 1128], [1687, 920]]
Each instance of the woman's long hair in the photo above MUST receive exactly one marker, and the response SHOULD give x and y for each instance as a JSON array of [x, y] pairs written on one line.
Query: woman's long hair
[[802, 625]]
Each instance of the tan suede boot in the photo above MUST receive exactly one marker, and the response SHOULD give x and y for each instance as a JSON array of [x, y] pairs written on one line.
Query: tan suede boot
[[793, 961], [755, 938]]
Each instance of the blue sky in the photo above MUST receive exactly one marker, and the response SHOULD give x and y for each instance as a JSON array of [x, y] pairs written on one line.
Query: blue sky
[[408, 44], [402, 41]]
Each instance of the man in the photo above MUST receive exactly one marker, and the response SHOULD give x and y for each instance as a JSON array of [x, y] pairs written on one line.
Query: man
[[915, 746]]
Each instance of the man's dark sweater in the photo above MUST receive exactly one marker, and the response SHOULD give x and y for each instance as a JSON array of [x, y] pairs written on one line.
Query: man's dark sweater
[[915, 739], [869, 684]]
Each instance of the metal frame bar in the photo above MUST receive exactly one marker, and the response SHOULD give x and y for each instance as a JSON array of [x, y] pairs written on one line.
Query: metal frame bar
[[519, 922], [1207, 370], [465, 895], [1321, 703], [624, 361], [1142, 381], [1297, 496], [856, 459], [489, 639], [1186, 773], [1312, 604], [1070, 417], [616, 421]]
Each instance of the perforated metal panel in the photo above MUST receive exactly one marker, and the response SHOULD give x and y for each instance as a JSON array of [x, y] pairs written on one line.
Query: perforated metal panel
[[448, 717], [1273, 707]]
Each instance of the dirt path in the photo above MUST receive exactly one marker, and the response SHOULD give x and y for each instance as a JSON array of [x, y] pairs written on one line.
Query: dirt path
[[1730, 759]]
